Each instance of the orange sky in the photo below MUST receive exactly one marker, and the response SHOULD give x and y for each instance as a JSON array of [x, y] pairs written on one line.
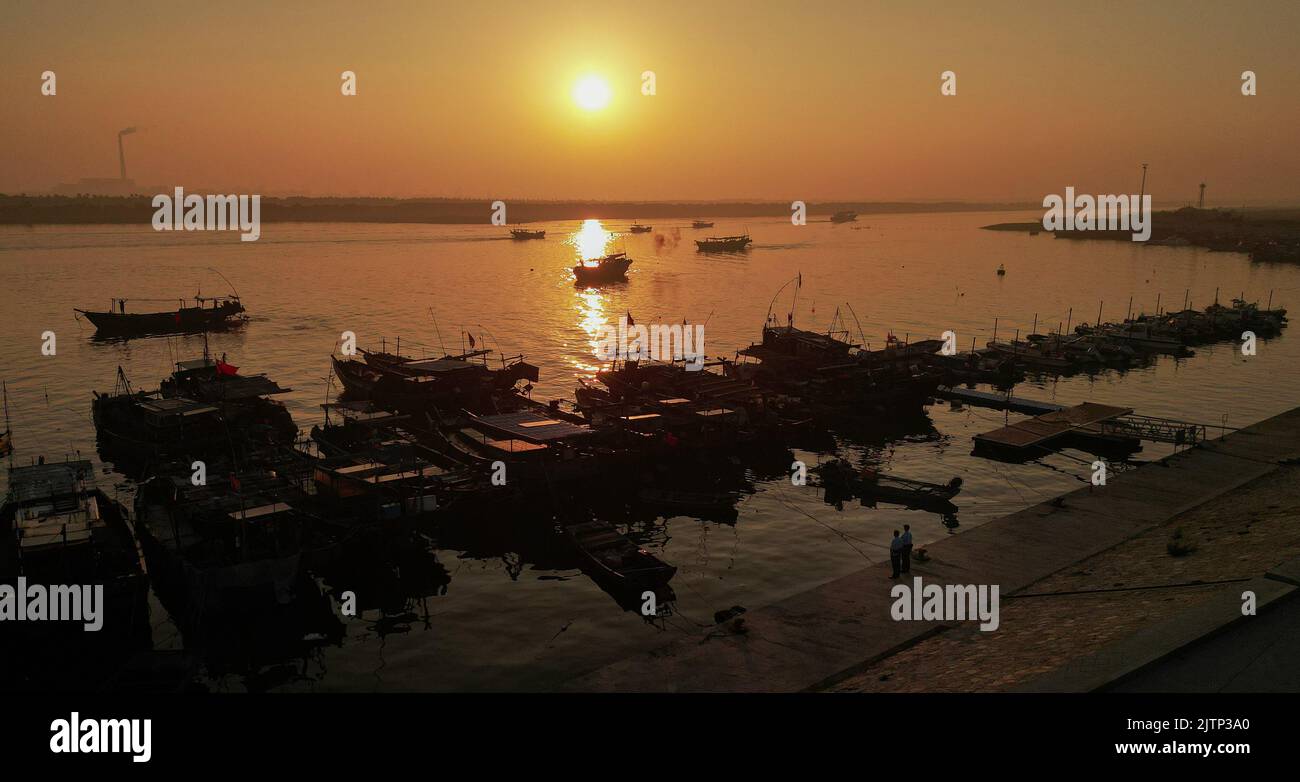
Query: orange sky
[[781, 101]]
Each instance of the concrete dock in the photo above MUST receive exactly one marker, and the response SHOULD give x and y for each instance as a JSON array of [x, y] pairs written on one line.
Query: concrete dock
[[827, 634]]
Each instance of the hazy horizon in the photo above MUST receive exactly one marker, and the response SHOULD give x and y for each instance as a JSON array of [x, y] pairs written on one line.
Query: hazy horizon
[[754, 101]]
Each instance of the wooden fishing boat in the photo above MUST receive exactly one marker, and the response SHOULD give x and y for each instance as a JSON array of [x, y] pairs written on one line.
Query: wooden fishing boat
[[244, 400], [1031, 355], [58, 528], [524, 233], [637, 228], [208, 313], [723, 243], [611, 268], [447, 384], [840, 477], [613, 558], [235, 546], [844, 217], [136, 428], [701, 224]]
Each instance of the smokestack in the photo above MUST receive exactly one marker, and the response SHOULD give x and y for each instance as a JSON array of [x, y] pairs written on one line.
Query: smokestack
[[121, 154]]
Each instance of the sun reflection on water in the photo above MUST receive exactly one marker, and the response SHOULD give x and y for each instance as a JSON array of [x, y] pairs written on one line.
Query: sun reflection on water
[[591, 241], [591, 311]]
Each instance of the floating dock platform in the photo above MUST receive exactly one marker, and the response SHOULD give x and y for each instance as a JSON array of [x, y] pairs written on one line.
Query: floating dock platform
[[997, 401]]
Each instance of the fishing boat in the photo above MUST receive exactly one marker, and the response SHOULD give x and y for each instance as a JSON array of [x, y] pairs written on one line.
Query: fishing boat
[[637, 228], [1034, 355], [136, 428], [723, 243], [430, 385], [207, 313], [244, 400], [58, 528], [834, 377], [844, 217], [524, 233], [231, 546], [613, 558], [611, 268], [701, 224], [1002, 270], [840, 477]]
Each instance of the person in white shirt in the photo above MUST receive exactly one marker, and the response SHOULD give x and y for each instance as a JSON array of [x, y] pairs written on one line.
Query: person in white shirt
[[896, 554], [907, 548]]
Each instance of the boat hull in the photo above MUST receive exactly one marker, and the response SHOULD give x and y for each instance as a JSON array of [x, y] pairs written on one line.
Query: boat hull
[[184, 320]]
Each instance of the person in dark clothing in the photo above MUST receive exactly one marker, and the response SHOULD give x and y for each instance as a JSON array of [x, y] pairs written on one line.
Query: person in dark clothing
[[907, 548], [896, 553]]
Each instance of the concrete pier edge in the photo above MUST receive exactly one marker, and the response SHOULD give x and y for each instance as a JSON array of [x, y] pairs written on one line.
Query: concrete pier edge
[[820, 636]]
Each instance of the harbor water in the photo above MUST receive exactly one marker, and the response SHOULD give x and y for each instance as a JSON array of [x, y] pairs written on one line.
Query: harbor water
[[513, 610]]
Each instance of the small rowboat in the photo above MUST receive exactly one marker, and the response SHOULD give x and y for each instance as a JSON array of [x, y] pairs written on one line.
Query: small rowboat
[[723, 243], [614, 558], [840, 477], [608, 269]]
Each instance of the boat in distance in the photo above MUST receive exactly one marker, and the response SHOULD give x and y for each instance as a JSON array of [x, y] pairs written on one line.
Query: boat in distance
[[608, 269], [208, 313], [723, 243], [844, 217], [637, 228], [524, 233], [701, 223]]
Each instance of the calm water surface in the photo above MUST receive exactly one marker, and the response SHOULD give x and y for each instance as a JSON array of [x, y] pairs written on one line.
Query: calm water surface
[[512, 618]]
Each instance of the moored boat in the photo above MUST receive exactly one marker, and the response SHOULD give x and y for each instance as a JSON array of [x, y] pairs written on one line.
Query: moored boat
[[59, 530], [840, 478], [616, 560], [208, 313]]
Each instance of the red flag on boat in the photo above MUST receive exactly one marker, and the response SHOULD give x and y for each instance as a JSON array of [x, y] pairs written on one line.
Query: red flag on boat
[[178, 318], [226, 369], [234, 482]]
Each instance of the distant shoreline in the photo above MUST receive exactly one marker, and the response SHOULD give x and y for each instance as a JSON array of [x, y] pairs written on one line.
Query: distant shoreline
[[1269, 235], [81, 210]]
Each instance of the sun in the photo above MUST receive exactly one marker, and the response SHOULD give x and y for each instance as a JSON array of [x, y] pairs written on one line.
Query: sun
[[591, 93]]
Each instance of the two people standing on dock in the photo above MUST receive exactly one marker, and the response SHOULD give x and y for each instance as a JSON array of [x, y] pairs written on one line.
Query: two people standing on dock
[[900, 551]]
